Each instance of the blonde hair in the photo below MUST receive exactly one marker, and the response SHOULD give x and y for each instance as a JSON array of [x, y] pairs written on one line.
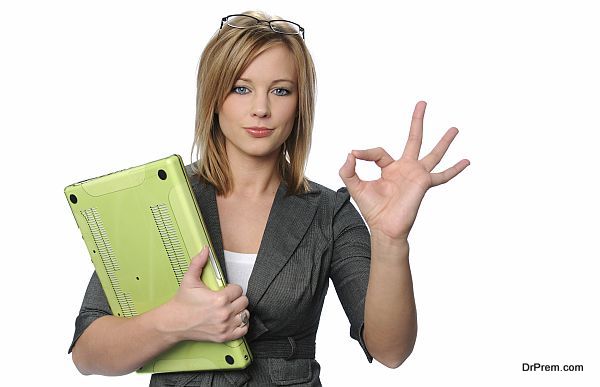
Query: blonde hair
[[229, 52]]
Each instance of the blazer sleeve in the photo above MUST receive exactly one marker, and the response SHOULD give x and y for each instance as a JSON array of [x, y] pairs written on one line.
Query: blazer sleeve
[[94, 305], [350, 263]]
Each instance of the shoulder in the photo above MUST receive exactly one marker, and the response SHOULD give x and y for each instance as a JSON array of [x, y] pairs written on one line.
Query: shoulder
[[336, 199], [342, 213], [192, 172], [194, 178]]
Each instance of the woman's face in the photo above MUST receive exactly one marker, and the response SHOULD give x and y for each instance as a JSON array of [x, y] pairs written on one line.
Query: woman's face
[[258, 114]]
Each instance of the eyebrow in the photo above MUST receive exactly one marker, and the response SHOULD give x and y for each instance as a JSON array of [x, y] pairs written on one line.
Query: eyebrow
[[274, 81]]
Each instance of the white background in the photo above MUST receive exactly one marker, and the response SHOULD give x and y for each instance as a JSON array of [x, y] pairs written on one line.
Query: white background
[[504, 257]]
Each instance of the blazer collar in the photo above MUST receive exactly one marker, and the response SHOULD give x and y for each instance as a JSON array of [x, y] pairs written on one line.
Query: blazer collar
[[288, 221]]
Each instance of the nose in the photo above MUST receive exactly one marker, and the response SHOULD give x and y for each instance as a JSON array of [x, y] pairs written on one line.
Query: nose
[[260, 107]]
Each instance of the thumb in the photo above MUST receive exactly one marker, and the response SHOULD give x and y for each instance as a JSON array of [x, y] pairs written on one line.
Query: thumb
[[348, 174], [191, 279]]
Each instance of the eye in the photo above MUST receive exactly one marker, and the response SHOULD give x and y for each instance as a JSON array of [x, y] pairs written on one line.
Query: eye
[[240, 90], [280, 91]]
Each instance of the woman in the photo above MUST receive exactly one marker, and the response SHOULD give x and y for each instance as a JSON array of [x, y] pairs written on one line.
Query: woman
[[279, 236]]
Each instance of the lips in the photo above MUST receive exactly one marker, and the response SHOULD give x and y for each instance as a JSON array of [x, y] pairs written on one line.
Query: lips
[[257, 131]]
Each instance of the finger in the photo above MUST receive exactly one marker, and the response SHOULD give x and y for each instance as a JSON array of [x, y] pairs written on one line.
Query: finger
[[232, 291], [192, 277], [379, 155], [415, 135], [438, 152], [243, 318], [450, 173], [239, 332], [235, 331], [238, 325], [348, 174], [239, 304]]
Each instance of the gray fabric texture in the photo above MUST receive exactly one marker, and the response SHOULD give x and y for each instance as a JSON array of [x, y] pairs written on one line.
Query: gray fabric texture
[[308, 239]]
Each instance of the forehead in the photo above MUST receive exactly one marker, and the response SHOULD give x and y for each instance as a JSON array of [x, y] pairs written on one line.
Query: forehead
[[276, 62]]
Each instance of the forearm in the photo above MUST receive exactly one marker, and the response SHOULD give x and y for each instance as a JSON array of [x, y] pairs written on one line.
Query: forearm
[[117, 345], [390, 314]]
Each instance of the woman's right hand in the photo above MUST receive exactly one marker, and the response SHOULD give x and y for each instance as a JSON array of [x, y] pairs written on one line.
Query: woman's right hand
[[199, 313]]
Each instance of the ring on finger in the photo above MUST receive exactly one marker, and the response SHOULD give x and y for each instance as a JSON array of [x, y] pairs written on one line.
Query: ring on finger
[[244, 318]]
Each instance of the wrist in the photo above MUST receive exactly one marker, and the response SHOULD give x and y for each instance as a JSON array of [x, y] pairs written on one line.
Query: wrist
[[385, 240], [388, 251], [164, 321]]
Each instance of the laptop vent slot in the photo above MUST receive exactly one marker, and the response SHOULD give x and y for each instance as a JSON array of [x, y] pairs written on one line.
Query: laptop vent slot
[[170, 239], [109, 260]]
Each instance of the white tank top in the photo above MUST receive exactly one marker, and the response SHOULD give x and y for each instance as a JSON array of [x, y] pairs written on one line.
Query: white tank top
[[239, 267]]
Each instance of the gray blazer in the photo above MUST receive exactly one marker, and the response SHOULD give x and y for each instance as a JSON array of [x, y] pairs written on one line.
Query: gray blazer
[[308, 239]]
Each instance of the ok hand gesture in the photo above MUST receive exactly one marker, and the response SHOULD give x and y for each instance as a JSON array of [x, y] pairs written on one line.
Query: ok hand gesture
[[390, 203]]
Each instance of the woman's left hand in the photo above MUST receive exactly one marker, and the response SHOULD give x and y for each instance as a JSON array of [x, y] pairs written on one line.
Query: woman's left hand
[[390, 203]]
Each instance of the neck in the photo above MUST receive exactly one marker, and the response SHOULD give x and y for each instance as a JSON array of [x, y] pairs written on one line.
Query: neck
[[254, 177]]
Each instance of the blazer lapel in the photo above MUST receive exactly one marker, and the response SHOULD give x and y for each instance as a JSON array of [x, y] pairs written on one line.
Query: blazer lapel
[[288, 221]]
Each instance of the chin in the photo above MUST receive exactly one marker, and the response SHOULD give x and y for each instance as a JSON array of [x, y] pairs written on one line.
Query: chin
[[259, 148], [264, 154]]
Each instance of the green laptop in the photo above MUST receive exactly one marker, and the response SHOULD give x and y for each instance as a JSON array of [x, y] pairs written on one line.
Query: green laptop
[[141, 227]]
